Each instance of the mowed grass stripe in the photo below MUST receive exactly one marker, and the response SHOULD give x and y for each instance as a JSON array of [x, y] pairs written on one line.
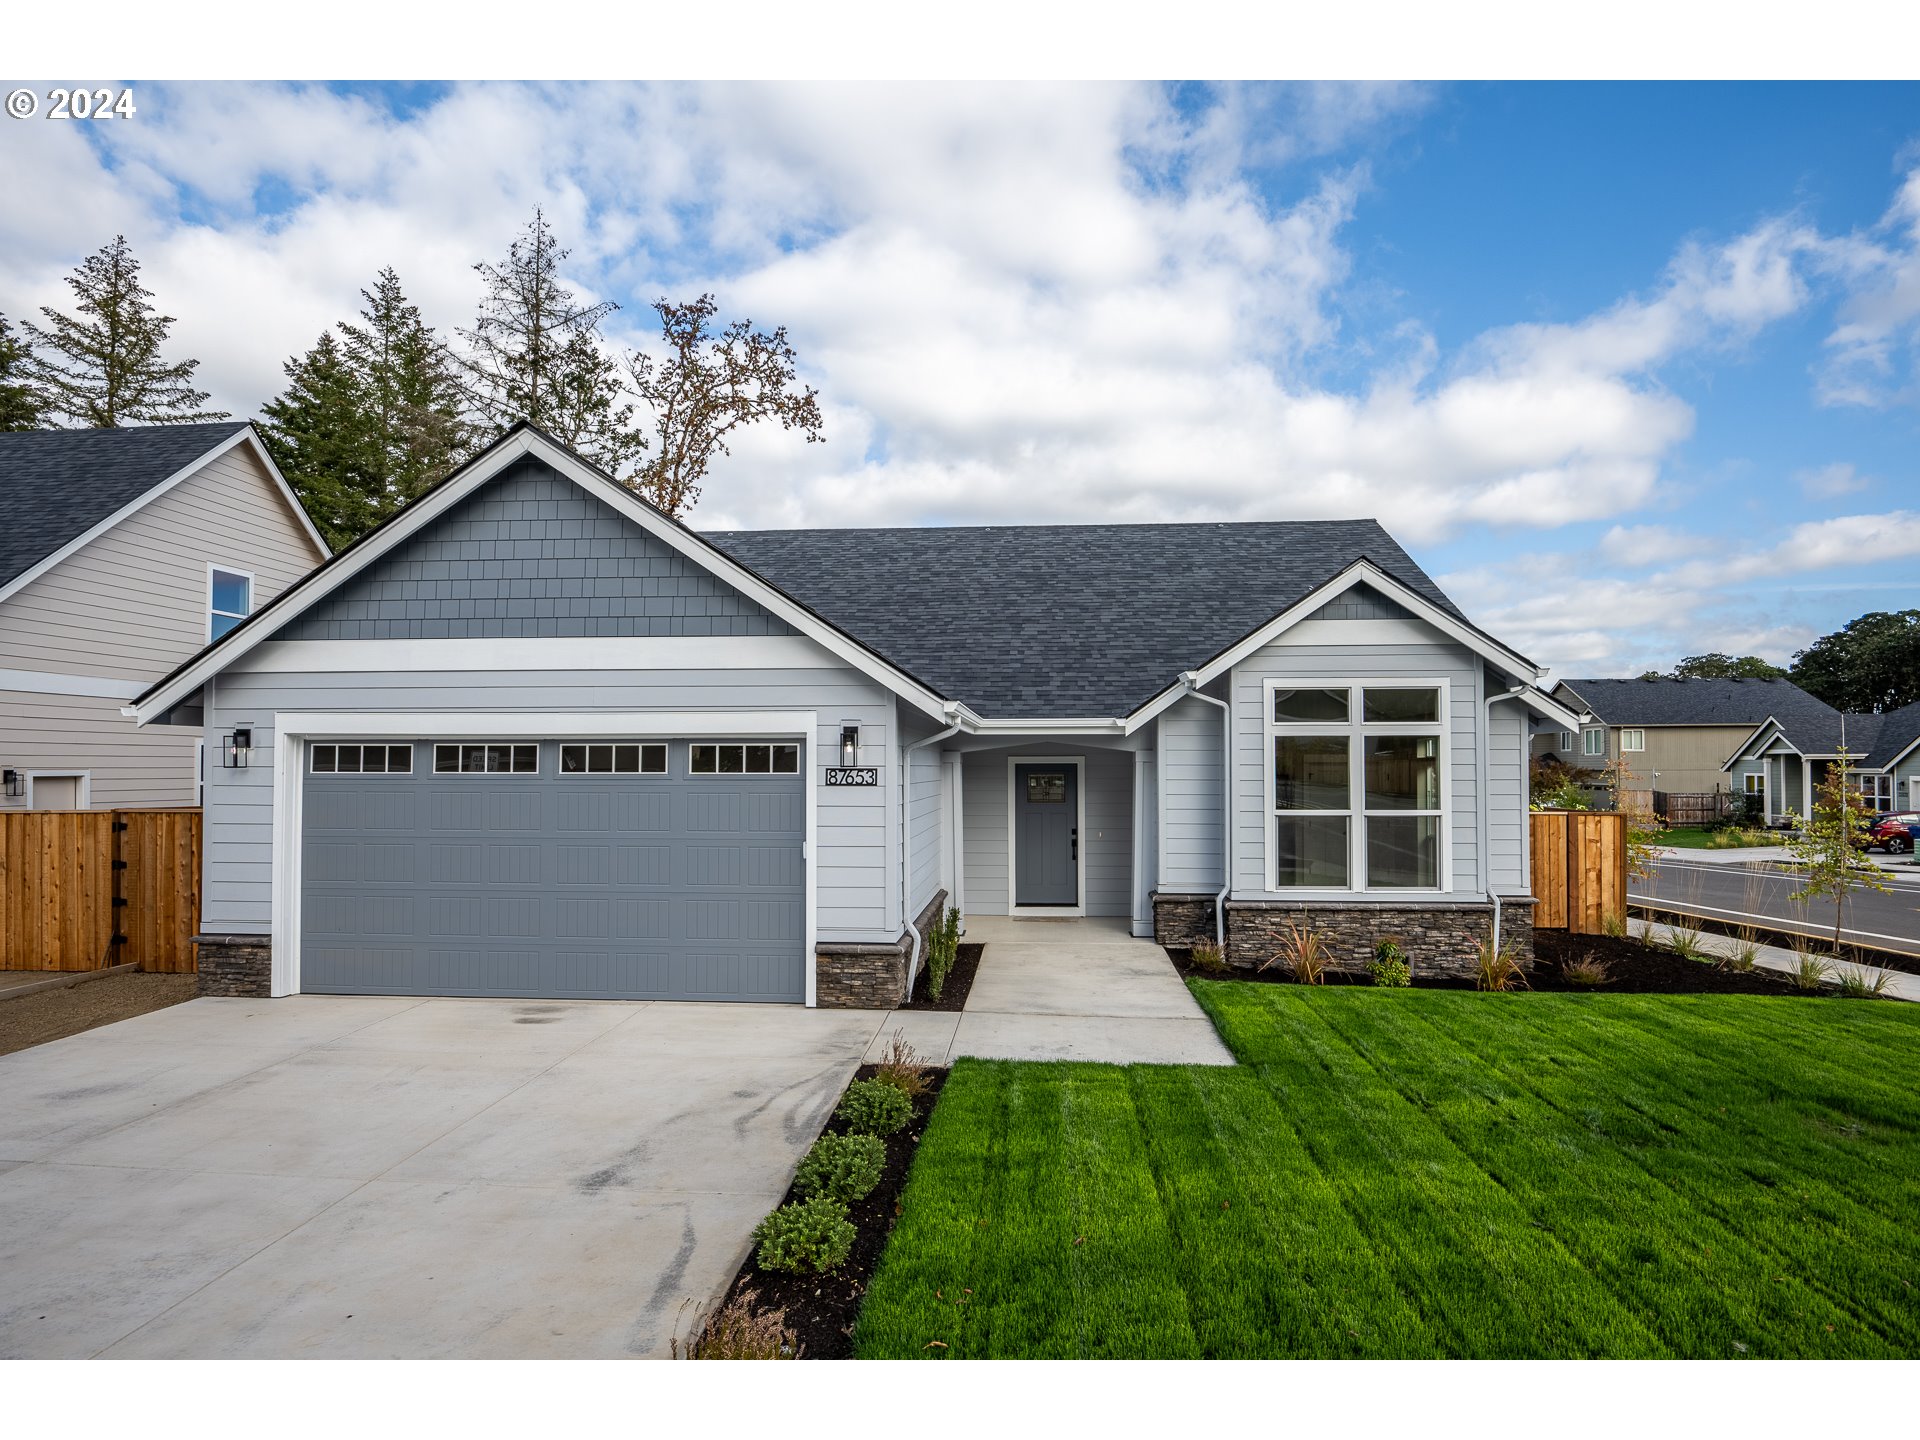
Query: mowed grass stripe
[[1700, 1284], [1824, 1259], [1480, 1269], [1259, 1231]]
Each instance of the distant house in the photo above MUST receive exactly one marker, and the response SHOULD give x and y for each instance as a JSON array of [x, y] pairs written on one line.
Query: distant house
[[1785, 759], [122, 553], [1674, 736]]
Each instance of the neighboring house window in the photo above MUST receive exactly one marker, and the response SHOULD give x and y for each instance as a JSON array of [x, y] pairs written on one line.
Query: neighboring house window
[[229, 599], [1874, 790], [486, 759], [335, 759], [1594, 741], [1756, 783], [744, 759], [1357, 785], [1566, 741], [613, 759], [1633, 739]]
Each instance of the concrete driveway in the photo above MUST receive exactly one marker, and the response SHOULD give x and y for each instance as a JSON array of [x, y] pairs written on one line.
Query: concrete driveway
[[362, 1176]]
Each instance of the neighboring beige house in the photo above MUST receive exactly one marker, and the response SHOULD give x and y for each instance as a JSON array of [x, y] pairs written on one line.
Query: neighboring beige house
[[1674, 736], [122, 553]]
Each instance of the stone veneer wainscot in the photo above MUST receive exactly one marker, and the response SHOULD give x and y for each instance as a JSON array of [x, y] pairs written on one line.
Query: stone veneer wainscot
[[1439, 936]]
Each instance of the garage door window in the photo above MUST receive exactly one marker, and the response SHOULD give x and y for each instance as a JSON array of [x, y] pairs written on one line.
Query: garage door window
[[363, 759], [486, 759], [745, 760], [615, 759]]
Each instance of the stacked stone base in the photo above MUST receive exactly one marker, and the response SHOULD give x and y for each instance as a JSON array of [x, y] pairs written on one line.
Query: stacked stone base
[[239, 965], [869, 976], [1441, 937]]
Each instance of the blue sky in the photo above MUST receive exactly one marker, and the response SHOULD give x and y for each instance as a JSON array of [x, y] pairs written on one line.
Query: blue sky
[[1631, 368]]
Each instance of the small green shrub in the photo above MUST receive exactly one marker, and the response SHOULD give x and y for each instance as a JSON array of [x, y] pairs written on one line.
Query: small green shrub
[[1206, 955], [1865, 984], [1685, 941], [1498, 968], [1810, 971], [1614, 925], [809, 1237], [1745, 954], [873, 1107], [1390, 967], [943, 948], [842, 1167]]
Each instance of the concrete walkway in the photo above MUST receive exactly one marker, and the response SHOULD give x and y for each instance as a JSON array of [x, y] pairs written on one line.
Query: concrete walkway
[[1067, 990], [1902, 986]]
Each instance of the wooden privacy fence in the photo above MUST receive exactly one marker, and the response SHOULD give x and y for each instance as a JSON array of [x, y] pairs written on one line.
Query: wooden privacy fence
[[85, 889], [1579, 869]]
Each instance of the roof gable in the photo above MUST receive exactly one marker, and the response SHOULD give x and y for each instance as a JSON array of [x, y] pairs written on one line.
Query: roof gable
[[1697, 702], [531, 554]]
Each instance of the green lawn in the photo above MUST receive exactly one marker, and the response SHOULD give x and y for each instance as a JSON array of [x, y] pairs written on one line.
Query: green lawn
[[1693, 837], [1430, 1173]]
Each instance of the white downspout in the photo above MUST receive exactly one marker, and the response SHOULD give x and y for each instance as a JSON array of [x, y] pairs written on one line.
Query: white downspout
[[1486, 792], [1226, 804], [906, 838]]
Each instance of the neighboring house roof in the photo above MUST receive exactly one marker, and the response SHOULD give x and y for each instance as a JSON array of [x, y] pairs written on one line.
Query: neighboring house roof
[[1874, 742], [58, 487], [1895, 733], [1697, 702], [983, 625], [1063, 620]]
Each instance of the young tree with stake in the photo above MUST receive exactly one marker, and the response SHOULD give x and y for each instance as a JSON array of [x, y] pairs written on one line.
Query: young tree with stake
[[1830, 845]]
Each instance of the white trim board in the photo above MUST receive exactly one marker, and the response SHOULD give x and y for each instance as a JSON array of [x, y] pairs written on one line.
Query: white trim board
[[1079, 906], [83, 792], [294, 729], [44, 682], [244, 435], [565, 652]]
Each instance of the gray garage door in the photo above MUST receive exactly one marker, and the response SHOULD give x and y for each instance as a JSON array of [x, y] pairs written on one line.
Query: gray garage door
[[633, 871]]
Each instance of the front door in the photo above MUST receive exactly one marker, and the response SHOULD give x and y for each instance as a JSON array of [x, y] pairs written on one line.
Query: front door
[[1046, 834]]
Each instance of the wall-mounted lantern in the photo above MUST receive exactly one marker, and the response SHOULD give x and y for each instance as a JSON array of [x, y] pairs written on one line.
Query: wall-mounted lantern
[[16, 782], [237, 750], [849, 745]]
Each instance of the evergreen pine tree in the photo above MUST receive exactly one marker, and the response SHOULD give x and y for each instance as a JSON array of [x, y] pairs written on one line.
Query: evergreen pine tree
[[411, 391], [104, 368], [22, 406], [534, 355], [320, 436]]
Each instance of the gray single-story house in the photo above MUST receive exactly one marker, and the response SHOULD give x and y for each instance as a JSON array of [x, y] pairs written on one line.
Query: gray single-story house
[[1786, 758], [534, 738]]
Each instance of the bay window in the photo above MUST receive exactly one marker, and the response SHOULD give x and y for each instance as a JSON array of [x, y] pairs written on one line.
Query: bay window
[[1357, 785]]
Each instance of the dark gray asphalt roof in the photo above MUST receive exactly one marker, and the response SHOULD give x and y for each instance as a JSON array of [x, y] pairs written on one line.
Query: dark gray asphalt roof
[[1700, 702], [56, 485], [1894, 732], [1061, 620]]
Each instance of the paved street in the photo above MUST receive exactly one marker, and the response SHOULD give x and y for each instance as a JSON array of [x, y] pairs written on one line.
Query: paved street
[[1723, 891]]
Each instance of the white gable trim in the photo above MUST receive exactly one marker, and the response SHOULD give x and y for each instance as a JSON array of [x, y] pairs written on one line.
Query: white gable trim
[[243, 436], [1740, 752], [429, 508], [1359, 572]]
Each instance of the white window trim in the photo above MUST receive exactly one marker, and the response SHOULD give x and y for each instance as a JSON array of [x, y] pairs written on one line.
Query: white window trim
[[293, 728], [433, 758], [1568, 741], [1627, 738], [1587, 734], [84, 792], [200, 773], [1079, 907], [1357, 729], [246, 575]]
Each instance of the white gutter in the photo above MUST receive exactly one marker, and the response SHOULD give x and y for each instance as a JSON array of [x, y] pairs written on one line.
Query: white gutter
[[906, 837], [1486, 789], [1190, 680]]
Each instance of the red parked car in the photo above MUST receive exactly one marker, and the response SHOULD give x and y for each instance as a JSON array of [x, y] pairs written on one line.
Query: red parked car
[[1893, 833]]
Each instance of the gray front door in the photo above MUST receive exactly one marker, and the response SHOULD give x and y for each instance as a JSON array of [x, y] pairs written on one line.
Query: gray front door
[[656, 886], [1046, 834]]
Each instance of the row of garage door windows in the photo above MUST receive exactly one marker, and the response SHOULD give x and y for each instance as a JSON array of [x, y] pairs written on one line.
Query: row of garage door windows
[[616, 758]]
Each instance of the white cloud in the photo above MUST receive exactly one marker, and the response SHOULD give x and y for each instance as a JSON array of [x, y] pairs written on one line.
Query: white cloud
[[1641, 546], [1871, 353], [1830, 482]]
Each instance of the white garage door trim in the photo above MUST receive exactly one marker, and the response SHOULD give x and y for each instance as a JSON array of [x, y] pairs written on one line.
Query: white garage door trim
[[293, 729]]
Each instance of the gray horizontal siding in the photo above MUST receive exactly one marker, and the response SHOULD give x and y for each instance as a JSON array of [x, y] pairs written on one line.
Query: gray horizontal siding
[[73, 734], [1191, 845], [856, 875], [532, 554], [1107, 838], [923, 843], [1507, 828]]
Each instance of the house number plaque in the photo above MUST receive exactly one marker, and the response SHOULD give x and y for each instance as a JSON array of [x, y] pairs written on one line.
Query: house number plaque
[[853, 775]]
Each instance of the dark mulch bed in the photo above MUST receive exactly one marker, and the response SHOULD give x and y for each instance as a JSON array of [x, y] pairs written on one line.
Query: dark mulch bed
[[821, 1308], [1636, 968], [953, 994]]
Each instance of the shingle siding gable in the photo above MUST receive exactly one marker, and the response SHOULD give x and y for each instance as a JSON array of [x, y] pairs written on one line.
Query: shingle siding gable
[[532, 555]]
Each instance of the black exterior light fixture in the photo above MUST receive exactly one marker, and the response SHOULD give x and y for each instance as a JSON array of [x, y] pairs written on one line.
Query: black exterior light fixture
[[16, 783], [237, 750], [849, 745]]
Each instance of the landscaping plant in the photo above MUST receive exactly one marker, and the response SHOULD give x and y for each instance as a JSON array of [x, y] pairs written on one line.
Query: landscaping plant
[[1206, 955], [1303, 950], [1588, 972], [1810, 971], [873, 1107], [1865, 984], [807, 1237], [842, 1167], [1498, 967], [901, 1067], [1686, 941], [1390, 967], [740, 1332], [1830, 843], [1613, 925], [943, 948]]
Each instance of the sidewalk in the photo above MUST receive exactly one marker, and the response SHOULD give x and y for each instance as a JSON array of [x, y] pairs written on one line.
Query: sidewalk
[[1774, 957], [1893, 867]]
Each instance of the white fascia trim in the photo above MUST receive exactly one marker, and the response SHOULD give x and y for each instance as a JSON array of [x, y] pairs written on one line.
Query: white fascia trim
[[1354, 574], [139, 502], [1740, 751], [1548, 708], [42, 682], [427, 509], [975, 725], [566, 652]]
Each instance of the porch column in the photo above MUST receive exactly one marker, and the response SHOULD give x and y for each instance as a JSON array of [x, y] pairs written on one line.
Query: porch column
[[1806, 788]]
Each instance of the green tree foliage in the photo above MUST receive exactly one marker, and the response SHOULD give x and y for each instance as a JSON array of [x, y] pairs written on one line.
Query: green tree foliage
[[1829, 845], [534, 354], [103, 367], [1716, 666], [22, 406], [708, 384], [369, 420], [1872, 663]]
